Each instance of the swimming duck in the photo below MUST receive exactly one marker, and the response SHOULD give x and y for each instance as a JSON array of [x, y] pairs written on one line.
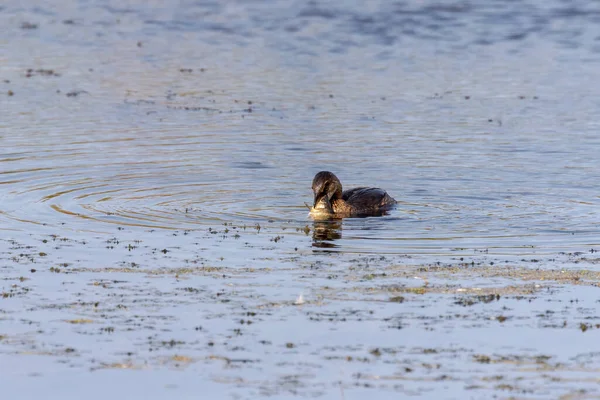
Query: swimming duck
[[362, 201]]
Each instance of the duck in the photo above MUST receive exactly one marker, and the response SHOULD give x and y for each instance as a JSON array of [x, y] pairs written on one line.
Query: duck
[[331, 201]]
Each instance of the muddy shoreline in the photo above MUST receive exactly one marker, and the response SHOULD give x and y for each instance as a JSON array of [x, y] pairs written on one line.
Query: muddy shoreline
[[200, 314]]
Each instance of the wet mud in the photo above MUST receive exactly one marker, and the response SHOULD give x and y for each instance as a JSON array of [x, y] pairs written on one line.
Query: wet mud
[[296, 323]]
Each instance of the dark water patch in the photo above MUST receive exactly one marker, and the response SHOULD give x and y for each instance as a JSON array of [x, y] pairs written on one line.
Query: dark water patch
[[119, 10], [250, 165]]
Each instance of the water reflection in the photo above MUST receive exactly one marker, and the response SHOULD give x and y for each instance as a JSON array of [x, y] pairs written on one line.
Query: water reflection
[[325, 232]]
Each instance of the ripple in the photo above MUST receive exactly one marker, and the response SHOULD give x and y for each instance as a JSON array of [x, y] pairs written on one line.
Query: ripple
[[155, 195]]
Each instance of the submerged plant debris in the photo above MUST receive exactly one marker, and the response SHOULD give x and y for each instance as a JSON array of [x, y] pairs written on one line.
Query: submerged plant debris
[[400, 324]]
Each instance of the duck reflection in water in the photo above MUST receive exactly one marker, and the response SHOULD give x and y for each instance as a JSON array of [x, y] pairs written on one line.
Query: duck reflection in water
[[325, 232]]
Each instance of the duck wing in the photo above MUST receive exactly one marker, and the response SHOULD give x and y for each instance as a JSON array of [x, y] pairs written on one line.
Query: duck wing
[[366, 197]]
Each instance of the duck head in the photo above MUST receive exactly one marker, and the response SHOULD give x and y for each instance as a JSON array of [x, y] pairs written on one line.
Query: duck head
[[326, 188]]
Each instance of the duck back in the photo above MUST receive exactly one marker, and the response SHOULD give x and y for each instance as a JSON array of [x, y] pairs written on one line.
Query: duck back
[[365, 198]]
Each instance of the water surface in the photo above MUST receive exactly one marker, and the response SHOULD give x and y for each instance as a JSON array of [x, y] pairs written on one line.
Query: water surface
[[155, 160]]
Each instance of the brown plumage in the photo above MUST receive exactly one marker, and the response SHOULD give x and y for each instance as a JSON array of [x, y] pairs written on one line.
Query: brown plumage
[[362, 201]]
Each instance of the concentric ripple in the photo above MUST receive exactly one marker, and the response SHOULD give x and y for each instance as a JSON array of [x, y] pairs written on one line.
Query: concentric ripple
[[143, 197], [179, 178]]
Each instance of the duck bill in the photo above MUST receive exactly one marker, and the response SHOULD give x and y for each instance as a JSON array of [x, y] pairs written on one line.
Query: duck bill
[[322, 204], [317, 198]]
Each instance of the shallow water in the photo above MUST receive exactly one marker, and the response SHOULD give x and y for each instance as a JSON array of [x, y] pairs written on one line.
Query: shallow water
[[155, 159]]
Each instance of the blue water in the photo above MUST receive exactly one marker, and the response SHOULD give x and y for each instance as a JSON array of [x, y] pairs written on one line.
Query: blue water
[[129, 128]]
